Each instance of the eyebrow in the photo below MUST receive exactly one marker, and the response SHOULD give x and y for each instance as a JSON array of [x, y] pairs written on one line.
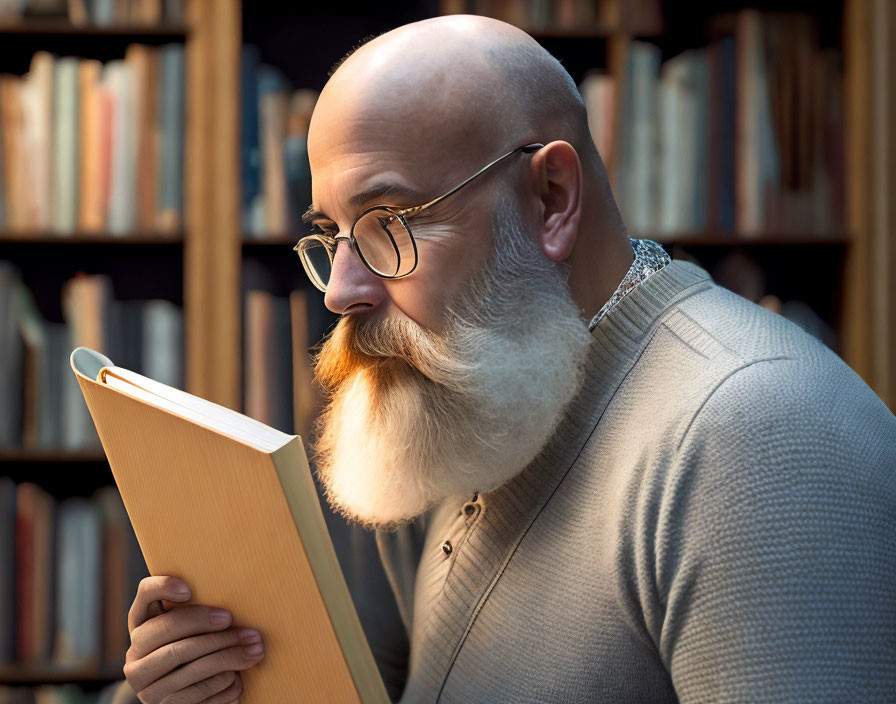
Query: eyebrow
[[372, 193]]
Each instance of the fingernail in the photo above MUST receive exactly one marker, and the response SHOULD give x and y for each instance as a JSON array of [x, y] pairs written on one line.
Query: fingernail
[[219, 617], [254, 650], [182, 590], [249, 635]]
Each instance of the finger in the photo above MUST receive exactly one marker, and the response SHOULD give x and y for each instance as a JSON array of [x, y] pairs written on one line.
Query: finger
[[153, 589], [169, 657], [229, 659], [231, 694], [175, 625], [202, 691], [155, 608]]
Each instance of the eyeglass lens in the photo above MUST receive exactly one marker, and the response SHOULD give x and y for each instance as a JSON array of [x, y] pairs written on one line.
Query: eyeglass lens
[[382, 240], [385, 243]]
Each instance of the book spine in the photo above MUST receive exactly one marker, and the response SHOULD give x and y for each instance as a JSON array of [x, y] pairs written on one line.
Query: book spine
[[169, 188], [7, 570], [122, 182], [65, 146], [91, 215]]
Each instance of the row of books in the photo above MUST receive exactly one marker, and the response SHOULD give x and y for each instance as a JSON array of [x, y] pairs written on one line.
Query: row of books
[[96, 12], [41, 406], [276, 177], [69, 571], [92, 147], [56, 694], [644, 16], [743, 136], [279, 389]]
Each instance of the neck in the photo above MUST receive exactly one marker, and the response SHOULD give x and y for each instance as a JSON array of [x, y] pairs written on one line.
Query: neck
[[599, 261]]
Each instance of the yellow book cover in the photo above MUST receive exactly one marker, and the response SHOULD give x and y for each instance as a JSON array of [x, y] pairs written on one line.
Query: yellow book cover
[[228, 505]]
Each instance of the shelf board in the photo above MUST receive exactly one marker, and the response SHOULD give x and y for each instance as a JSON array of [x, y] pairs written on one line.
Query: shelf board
[[56, 674], [133, 238], [19, 454], [58, 26], [769, 239]]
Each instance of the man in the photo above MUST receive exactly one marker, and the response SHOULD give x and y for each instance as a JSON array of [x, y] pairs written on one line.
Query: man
[[595, 475]]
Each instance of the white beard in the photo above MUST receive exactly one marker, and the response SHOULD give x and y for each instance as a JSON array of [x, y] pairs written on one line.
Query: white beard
[[415, 417]]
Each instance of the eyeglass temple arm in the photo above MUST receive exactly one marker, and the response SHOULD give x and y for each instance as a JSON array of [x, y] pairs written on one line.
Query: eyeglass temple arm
[[526, 149]]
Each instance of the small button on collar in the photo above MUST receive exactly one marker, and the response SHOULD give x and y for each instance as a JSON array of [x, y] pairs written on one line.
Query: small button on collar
[[446, 547]]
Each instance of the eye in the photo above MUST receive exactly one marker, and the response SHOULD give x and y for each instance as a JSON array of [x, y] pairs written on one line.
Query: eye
[[317, 229]]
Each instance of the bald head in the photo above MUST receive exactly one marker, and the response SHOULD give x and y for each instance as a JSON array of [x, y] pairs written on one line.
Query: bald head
[[470, 84]]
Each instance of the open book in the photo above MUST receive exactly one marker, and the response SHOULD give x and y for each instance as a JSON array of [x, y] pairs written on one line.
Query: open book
[[228, 505]]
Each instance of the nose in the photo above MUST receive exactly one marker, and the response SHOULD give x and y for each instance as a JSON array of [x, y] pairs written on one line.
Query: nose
[[351, 283]]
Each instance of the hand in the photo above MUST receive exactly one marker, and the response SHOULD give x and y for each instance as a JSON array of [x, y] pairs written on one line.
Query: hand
[[209, 651]]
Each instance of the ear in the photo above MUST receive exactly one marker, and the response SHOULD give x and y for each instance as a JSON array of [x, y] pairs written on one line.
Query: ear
[[557, 179]]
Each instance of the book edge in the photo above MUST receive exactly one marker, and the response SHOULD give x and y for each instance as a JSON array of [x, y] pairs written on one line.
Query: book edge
[[293, 472]]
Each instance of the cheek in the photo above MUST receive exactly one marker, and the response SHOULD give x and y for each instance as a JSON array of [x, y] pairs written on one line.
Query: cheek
[[443, 268]]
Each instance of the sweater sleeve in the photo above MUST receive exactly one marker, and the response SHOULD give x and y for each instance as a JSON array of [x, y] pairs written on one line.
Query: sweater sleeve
[[776, 542]]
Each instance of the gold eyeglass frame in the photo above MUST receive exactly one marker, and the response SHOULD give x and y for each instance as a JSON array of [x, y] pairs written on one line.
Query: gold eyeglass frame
[[330, 242]]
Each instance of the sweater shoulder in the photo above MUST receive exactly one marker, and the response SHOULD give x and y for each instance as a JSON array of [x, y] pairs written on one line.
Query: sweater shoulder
[[718, 364]]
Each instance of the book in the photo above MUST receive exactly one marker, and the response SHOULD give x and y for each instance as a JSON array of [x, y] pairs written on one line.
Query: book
[[170, 143], [7, 570], [117, 596], [638, 184], [250, 159], [92, 206], [118, 80], [66, 111], [79, 585], [86, 306], [163, 342], [33, 573], [13, 151], [12, 352], [37, 137], [229, 505], [268, 376]]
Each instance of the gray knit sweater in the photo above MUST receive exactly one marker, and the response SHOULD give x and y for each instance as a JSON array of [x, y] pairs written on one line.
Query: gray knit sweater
[[713, 521]]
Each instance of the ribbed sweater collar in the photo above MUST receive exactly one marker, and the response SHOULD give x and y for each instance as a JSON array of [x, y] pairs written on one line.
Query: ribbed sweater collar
[[447, 610]]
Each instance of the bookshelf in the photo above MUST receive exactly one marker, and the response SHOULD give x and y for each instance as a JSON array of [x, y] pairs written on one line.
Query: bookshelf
[[202, 263], [185, 265]]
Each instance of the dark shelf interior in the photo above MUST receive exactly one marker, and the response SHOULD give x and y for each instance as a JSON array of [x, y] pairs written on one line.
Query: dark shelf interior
[[39, 674], [60, 473], [21, 39], [46, 264]]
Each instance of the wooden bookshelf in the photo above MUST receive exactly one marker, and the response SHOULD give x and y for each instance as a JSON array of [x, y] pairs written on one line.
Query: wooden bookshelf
[[207, 271]]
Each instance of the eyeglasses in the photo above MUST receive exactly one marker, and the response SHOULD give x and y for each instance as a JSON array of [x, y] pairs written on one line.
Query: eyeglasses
[[380, 235]]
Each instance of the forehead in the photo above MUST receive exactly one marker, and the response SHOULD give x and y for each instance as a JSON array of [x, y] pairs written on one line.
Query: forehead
[[351, 155], [362, 136]]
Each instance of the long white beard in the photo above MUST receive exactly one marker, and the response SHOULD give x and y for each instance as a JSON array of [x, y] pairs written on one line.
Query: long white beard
[[415, 417]]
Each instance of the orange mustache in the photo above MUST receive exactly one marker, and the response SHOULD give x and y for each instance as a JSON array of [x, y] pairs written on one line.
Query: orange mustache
[[385, 349]]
